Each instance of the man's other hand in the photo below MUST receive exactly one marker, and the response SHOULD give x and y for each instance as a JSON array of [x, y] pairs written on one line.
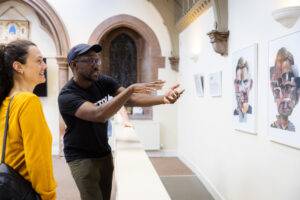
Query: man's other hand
[[173, 94]]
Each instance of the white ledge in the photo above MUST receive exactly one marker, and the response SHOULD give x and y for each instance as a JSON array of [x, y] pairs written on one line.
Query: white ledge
[[135, 177]]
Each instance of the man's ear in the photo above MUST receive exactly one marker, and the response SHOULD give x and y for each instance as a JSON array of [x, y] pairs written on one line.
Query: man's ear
[[73, 65], [18, 67]]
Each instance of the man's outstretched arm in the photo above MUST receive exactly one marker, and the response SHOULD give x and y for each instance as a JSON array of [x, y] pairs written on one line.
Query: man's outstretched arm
[[90, 112], [144, 100]]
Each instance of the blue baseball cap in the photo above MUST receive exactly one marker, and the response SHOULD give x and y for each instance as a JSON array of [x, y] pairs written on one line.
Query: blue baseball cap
[[81, 49]]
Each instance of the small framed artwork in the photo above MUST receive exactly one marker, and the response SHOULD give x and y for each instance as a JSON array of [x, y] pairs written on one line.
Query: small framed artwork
[[284, 90], [199, 84], [215, 84], [13, 29], [244, 80], [137, 110]]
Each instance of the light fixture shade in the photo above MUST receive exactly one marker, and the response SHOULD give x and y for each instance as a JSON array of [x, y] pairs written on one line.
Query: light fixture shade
[[287, 16]]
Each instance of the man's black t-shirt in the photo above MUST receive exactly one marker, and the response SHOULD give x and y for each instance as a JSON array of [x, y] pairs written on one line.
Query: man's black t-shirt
[[85, 139]]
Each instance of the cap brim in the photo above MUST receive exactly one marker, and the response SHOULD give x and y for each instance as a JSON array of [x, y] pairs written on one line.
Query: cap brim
[[96, 48]]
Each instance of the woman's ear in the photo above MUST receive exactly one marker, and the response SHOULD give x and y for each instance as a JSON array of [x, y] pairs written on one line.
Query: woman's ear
[[18, 67]]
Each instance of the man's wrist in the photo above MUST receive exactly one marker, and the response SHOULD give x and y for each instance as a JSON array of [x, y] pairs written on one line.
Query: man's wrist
[[164, 100]]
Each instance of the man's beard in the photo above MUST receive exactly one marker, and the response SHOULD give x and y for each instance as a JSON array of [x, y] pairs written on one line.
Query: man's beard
[[91, 77]]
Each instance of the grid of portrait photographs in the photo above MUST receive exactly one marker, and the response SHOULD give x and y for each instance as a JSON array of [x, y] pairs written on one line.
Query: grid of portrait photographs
[[215, 84]]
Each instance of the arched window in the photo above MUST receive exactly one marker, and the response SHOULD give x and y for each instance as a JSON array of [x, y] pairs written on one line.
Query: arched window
[[123, 60]]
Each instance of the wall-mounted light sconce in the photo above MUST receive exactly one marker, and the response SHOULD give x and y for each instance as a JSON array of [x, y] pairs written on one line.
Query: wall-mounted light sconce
[[194, 57], [287, 16], [219, 41]]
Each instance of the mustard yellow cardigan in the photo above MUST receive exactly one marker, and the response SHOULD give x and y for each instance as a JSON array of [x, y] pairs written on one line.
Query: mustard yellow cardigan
[[29, 143]]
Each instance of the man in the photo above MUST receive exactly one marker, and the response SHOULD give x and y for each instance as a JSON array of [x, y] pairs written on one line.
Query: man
[[285, 85], [85, 108], [242, 84]]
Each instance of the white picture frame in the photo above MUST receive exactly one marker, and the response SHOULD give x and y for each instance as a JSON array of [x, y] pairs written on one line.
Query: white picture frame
[[199, 84], [215, 84], [244, 81], [284, 90]]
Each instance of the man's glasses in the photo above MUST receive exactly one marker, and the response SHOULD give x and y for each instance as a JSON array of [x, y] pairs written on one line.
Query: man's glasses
[[245, 81], [90, 61]]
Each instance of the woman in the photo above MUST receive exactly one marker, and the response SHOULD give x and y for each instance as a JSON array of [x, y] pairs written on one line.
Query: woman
[[29, 141]]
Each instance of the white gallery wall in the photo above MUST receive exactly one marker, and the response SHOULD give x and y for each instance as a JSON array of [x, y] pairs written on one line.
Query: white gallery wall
[[82, 17], [13, 10], [233, 165]]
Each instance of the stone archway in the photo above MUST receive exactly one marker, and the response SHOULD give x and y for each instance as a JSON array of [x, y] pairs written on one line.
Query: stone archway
[[54, 26], [149, 51], [51, 23], [133, 23]]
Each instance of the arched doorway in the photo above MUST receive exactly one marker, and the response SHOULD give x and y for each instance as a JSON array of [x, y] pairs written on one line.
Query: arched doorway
[[148, 51], [123, 60]]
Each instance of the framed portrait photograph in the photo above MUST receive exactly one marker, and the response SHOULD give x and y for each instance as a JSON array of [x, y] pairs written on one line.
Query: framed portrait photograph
[[244, 81], [284, 90], [199, 84], [215, 84]]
